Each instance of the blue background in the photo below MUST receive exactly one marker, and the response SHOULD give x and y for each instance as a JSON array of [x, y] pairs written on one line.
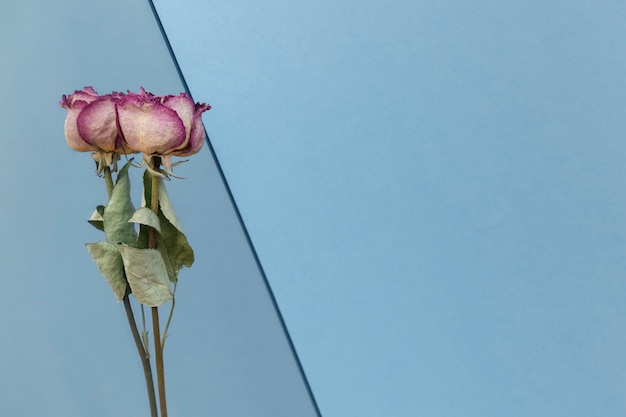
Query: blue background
[[434, 190]]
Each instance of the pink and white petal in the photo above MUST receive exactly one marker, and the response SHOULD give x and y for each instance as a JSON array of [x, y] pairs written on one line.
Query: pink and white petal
[[88, 90], [196, 140], [201, 108], [86, 95], [97, 124], [185, 109], [150, 128], [72, 137]]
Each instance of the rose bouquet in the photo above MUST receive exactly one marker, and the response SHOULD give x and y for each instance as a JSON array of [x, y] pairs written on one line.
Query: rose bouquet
[[144, 249]]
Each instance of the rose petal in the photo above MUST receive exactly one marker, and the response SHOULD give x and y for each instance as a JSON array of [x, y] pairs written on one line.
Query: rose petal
[[97, 124], [184, 107], [72, 136], [197, 139], [150, 127], [75, 103]]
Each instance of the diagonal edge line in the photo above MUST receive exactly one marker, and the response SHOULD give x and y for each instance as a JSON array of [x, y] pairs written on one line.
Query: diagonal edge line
[[240, 219]]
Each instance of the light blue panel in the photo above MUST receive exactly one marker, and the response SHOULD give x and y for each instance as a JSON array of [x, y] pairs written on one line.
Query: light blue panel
[[65, 343], [436, 190]]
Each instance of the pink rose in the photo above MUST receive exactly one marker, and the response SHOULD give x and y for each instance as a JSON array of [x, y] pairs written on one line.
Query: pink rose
[[91, 123], [161, 125], [117, 123]]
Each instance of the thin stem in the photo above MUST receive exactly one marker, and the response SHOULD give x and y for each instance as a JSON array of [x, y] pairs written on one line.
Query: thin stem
[[154, 206], [158, 355], [144, 334], [108, 179], [169, 318], [143, 317], [156, 331], [144, 356]]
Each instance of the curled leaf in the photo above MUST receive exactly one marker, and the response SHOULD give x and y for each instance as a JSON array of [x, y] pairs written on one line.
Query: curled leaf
[[97, 219], [119, 210], [166, 206], [172, 242], [110, 264], [174, 247], [147, 275], [146, 217]]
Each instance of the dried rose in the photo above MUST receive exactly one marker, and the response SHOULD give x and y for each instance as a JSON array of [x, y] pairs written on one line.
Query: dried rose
[[161, 125], [91, 124]]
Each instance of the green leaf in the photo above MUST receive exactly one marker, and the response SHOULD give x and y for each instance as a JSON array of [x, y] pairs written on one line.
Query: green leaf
[[147, 275], [96, 219], [144, 231], [146, 197], [119, 210], [146, 217], [166, 206], [174, 248], [172, 242], [110, 264], [142, 239]]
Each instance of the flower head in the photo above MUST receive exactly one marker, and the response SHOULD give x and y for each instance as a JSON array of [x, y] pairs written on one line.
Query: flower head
[[117, 123], [91, 124], [161, 125]]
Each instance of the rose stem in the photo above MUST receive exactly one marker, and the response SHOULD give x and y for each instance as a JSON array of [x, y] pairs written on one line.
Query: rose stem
[[143, 354], [158, 346]]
